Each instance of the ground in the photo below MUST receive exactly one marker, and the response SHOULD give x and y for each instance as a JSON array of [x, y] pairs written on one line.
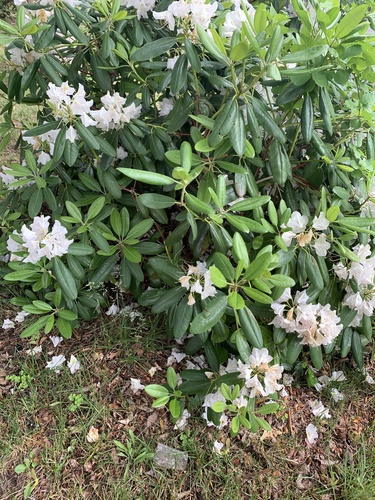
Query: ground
[[37, 417]]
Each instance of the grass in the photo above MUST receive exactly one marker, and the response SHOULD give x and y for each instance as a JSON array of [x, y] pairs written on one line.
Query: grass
[[40, 421]]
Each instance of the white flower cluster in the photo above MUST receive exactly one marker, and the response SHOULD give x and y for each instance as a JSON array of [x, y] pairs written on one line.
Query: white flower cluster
[[297, 225], [20, 59], [39, 242], [198, 280], [368, 203], [197, 12], [67, 104], [315, 324], [362, 300], [114, 113], [143, 7], [46, 142], [260, 379], [7, 178], [235, 18]]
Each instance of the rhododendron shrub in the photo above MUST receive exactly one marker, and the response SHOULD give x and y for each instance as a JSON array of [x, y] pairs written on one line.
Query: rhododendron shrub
[[213, 159]]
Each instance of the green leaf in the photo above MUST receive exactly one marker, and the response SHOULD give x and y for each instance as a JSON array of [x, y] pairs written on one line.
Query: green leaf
[[210, 315], [179, 74], [239, 51], [96, 208], [182, 318], [305, 55], [250, 327], [140, 229], [249, 204], [35, 327], [268, 408], [156, 391], [64, 327], [68, 315], [223, 264], [223, 123], [153, 49], [237, 133], [171, 378], [209, 44], [65, 279], [168, 299], [73, 211], [158, 201], [240, 250], [147, 177], [350, 21], [217, 277], [280, 280], [235, 300], [80, 249], [219, 406], [20, 469], [258, 266], [197, 205], [175, 408], [243, 346], [35, 203]]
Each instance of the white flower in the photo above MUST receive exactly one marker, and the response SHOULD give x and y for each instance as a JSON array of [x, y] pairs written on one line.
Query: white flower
[[182, 421], [235, 18], [142, 6], [311, 433], [135, 385], [319, 410], [337, 395], [7, 178], [171, 61], [218, 447], [7, 324], [20, 317], [93, 435], [39, 242], [368, 378], [121, 153], [165, 106], [259, 376], [208, 402], [71, 134], [321, 245], [56, 340], [176, 357], [56, 363], [338, 376], [112, 310], [297, 222], [198, 280], [341, 271], [55, 243], [73, 364], [320, 223], [34, 350]]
